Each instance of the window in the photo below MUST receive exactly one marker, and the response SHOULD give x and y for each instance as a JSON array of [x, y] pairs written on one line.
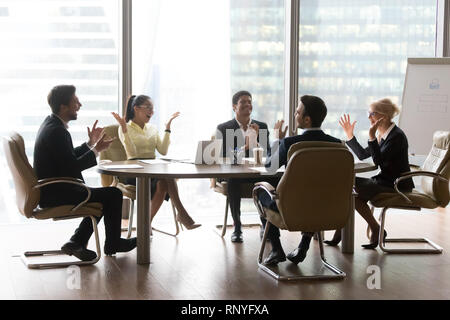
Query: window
[[355, 52], [191, 56], [46, 43]]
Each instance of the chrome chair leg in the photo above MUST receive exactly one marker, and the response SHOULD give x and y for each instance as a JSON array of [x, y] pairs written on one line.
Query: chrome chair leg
[[177, 228], [337, 273], [382, 241], [31, 265], [130, 221]]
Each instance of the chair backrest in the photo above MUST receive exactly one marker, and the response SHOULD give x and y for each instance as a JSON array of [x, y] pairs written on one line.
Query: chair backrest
[[314, 144], [27, 198], [438, 160], [315, 192], [115, 152]]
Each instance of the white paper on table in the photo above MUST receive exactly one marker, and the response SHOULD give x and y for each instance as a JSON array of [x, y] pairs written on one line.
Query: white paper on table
[[154, 161], [264, 169], [122, 166]]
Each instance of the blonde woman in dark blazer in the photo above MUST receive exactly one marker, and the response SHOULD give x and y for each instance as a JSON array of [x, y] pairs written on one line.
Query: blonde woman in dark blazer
[[388, 147]]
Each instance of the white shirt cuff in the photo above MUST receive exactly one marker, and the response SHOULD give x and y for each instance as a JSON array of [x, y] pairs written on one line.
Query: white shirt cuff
[[92, 149]]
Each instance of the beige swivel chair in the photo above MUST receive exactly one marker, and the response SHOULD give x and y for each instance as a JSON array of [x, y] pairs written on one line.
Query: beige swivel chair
[[116, 152], [27, 198], [435, 174], [313, 195]]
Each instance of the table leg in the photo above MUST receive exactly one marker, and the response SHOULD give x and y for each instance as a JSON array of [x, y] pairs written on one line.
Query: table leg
[[143, 220], [348, 232]]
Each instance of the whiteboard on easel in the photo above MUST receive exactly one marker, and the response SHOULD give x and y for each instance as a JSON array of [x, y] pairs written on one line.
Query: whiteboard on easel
[[426, 102]]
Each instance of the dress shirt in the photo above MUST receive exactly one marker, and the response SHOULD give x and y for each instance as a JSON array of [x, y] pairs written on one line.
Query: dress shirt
[[250, 133], [141, 143]]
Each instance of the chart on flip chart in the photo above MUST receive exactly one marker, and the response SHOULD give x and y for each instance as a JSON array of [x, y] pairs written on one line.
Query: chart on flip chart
[[426, 102]]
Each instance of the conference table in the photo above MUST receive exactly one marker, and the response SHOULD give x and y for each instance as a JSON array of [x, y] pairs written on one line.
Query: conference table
[[145, 171]]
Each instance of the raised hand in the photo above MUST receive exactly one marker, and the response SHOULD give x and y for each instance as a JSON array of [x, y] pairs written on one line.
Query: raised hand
[[373, 128], [103, 143], [255, 127], [348, 127], [175, 115], [95, 134], [121, 121], [279, 132]]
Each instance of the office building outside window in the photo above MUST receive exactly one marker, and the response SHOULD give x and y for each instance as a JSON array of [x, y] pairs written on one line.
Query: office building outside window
[[46, 43]]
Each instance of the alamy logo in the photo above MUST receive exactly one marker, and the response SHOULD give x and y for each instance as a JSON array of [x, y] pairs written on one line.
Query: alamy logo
[[73, 281], [374, 280]]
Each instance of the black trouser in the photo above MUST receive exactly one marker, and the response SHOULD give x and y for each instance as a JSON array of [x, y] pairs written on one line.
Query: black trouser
[[234, 196], [111, 200]]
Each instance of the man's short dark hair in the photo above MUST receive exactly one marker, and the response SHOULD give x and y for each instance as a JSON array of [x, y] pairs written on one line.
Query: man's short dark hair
[[315, 108], [60, 95], [239, 94]]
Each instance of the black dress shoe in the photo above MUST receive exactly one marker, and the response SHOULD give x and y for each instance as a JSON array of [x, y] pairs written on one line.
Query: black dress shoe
[[274, 258], [298, 255], [374, 244], [74, 249], [332, 243], [125, 245], [236, 236]]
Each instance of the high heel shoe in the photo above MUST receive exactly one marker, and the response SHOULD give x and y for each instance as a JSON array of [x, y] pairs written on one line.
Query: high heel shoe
[[335, 241], [187, 221], [332, 243], [374, 244]]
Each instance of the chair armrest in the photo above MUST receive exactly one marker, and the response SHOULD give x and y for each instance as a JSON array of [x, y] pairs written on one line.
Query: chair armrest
[[78, 182], [60, 178], [410, 174], [267, 187]]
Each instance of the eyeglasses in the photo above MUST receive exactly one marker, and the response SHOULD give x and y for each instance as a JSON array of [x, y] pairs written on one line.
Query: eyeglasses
[[146, 106], [371, 114]]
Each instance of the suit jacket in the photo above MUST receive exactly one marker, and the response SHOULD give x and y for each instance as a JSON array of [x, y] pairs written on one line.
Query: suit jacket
[[280, 155], [239, 142], [391, 155], [55, 156]]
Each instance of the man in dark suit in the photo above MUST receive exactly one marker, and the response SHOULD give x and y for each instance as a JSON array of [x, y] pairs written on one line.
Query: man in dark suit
[[240, 135], [309, 116], [55, 156]]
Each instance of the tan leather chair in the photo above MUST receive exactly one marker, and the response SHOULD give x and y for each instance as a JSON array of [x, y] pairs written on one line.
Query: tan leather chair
[[435, 174], [116, 152], [28, 194], [313, 195]]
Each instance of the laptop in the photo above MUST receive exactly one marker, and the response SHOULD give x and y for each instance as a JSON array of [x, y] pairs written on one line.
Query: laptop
[[207, 152]]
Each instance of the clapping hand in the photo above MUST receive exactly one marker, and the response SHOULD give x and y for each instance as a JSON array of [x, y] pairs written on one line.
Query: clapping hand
[[347, 126], [103, 143], [175, 115], [121, 121], [279, 132], [255, 127], [95, 134]]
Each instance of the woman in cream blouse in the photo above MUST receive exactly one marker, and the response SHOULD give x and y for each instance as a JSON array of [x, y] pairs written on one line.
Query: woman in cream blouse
[[140, 141]]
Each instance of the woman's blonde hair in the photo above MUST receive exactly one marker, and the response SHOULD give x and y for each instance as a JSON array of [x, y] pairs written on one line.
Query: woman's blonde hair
[[386, 107]]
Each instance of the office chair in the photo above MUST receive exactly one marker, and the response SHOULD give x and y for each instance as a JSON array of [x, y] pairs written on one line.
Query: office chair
[[27, 198], [435, 173], [313, 195], [116, 152]]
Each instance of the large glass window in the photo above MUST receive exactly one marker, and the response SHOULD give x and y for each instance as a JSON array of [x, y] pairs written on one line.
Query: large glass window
[[355, 52], [46, 43], [191, 56]]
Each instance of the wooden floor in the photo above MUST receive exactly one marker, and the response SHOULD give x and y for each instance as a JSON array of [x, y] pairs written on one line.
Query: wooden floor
[[199, 264]]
